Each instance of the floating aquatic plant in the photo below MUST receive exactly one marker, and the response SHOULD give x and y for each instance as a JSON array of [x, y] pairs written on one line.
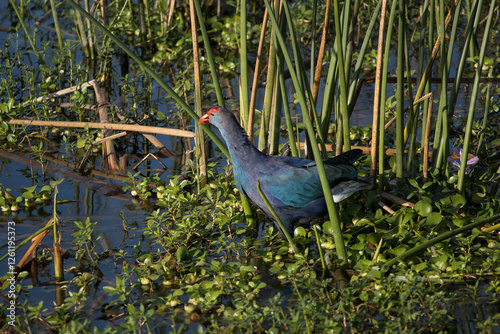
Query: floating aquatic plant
[[470, 162]]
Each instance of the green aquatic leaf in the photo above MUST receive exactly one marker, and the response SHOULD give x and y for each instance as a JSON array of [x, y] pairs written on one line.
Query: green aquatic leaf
[[423, 208]]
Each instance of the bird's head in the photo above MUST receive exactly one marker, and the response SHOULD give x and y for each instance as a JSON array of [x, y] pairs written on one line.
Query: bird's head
[[205, 119]]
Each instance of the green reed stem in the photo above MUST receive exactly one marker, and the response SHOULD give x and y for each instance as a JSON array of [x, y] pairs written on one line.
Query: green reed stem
[[58, 263], [209, 54], [442, 121], [302, 76], [400, 96], [420, 68], [383, 92], [486, 111], [243, 64], [342, 80], [320, 249], [56, 24], [332, 209], [90, 33], [26, 31], [275, 124], [313, 42], [472, 105], [476, 13], [286, 107], [361, 56], [444, 106]]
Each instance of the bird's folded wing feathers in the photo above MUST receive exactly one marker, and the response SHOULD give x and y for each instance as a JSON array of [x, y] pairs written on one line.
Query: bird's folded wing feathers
[[299, 186]]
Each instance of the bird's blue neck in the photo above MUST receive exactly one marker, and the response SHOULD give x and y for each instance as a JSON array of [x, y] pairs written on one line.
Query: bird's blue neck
[[237, 142]]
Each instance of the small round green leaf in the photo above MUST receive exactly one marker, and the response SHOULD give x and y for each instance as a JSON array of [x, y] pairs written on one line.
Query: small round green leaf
[[423, 208]]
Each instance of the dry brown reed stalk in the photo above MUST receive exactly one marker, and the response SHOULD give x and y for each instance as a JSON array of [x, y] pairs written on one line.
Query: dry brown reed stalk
[[31, 252], [110, 160], [111, 126], [170, 13], [253, 97], [376, 97], [396, 200], [201, 157], [60, 93], [386, 208], [321, 55]]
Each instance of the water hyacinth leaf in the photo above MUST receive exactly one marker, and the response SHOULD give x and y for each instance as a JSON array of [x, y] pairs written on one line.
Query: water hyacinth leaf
[[398, 250], [406, 217], [111, 290], [160, 115], [182, 254], [458, 201], [371, 199], [376, 274], [362, 265], [445, 201], [80, 143], [423, 208], [275, 269], [434, 218], [427, 185], [261, 285], [440, 261], [460, 221], [475, 232], [299, 232], [364, 221], [213, 295], [207, 284], [45, 188], [414, 183], [28, 194], [359, 246], [373, 238], [147, 258], [419, 267], [328, 227], [248, 269]]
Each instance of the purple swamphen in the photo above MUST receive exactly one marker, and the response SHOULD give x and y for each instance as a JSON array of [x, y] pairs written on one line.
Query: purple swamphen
[[291, 184]]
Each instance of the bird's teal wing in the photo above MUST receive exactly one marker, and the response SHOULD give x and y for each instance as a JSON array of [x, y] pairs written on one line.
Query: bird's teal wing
[[297, 184]]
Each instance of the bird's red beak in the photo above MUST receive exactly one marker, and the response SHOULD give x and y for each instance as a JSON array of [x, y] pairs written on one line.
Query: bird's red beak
[[205, 119]]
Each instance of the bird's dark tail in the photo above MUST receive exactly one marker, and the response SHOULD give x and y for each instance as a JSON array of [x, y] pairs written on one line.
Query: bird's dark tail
[[346, 158]]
